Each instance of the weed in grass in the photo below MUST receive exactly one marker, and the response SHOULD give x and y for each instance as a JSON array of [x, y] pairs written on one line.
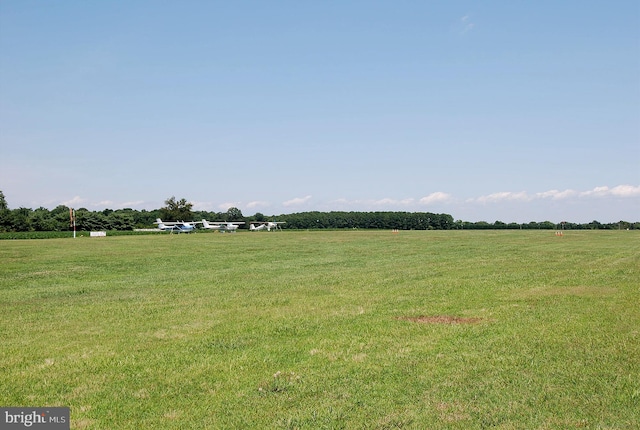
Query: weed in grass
[[280, 383]]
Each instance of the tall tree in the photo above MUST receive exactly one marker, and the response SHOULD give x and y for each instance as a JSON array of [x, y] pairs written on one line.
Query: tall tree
[[234, 214], [177, 209], [3, 202]]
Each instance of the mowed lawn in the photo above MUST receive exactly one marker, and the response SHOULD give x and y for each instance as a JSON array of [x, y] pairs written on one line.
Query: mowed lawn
[[326, 329]]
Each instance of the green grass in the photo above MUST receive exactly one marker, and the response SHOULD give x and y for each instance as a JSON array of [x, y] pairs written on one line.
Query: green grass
[[321, 329]]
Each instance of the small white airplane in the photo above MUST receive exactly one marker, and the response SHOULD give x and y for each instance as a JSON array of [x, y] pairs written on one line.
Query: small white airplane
[[221, 226], [265, 225], [177, 226]]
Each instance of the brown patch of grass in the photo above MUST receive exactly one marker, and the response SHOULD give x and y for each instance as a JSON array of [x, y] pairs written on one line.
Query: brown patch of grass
[[452, 412], [442, 319], [83, 423], [172, 415]]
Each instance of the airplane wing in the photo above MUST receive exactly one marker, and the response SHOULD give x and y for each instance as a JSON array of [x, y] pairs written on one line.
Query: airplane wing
[[221, 225], [167, 223], [176, 223]]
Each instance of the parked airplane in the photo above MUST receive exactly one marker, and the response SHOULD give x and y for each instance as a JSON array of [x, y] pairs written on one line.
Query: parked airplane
[[221, 225], [177, 226], [268, 225]]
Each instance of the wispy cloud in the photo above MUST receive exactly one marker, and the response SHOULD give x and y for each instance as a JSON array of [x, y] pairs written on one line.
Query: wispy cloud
[[203, 206], [556, 195], [437, 197], [596, 192], [465, 24], [369, 203], [393, 202], [296, 201], [227, 205], [133, 204], [257, 204], [618, 191], [223, 207], [503, 196], [623, 191], [75, 202], [626, 191], [105, 203], [601, 193]]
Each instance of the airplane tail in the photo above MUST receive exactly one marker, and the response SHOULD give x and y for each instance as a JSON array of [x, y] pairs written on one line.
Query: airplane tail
[[252, 227], [205, 224]]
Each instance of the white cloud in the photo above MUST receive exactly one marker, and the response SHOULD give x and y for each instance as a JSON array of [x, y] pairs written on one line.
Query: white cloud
[[604, 191], [618, 191], [257, 204], [371, 204], [525, 201], [386, 202], [133, 204], [202, 206], [597, 191], [556, 195], [503, 196], [74, 202], [105, 203], [626, 191], [436, 197], [342, 201], [465, 24], [227, 205], [111, 204], [297, 201], [393, 202]]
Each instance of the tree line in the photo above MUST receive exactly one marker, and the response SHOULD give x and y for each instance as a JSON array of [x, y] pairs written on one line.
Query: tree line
[[59, 219]]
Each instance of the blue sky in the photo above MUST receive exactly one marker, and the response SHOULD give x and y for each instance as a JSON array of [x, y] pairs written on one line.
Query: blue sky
[[496, 110]]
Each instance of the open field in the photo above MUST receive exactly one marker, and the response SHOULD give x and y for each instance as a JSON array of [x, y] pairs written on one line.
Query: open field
[[341, 329]]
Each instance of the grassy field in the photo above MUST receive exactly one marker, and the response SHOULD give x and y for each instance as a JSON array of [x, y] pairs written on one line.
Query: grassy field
[[313, 330]]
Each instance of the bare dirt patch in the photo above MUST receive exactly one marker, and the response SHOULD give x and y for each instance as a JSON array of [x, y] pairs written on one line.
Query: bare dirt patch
[[442, 319]]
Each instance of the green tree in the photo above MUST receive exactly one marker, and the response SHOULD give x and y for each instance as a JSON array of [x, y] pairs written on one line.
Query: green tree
[[120, 220], [90, 221], [41, 220], [234, 214], [595, 225], [20, 220], [5, 214], [3, 202], [61, 216], [179, 210]]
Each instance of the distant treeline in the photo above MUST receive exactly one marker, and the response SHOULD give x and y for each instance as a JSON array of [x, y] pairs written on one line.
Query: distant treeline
[[58, 219]]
